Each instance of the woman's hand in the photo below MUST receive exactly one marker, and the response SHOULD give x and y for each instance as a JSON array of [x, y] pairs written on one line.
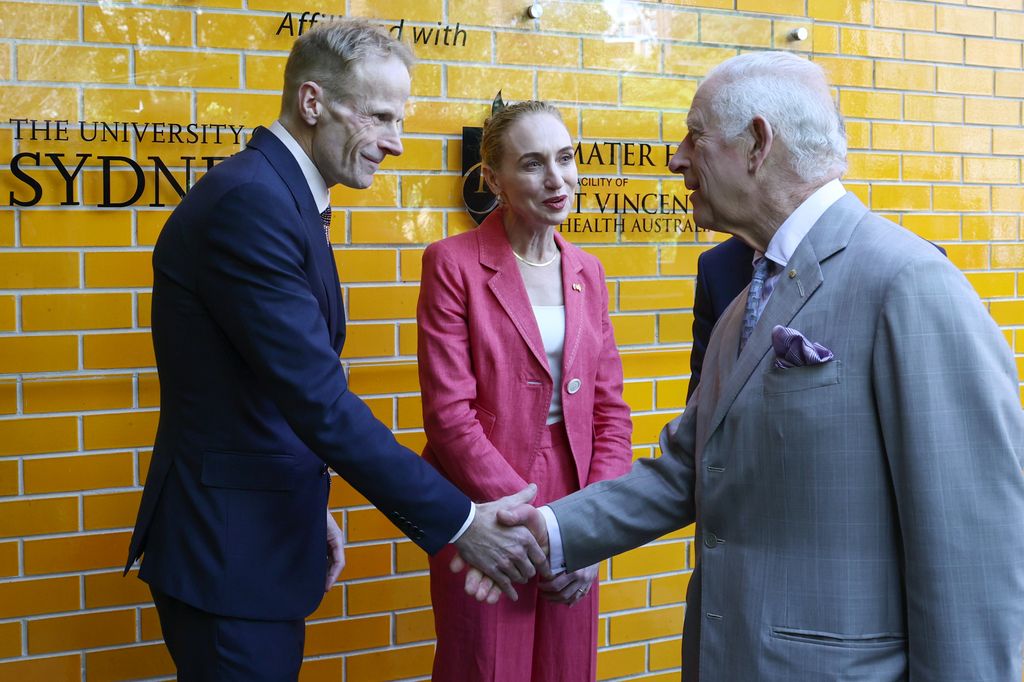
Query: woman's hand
[[569, 588]]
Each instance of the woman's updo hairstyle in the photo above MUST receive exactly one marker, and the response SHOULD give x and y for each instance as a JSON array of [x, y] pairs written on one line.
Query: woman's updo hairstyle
[[492, 145]]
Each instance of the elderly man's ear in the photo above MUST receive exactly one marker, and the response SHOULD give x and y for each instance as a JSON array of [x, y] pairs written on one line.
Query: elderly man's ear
[[763, 137]]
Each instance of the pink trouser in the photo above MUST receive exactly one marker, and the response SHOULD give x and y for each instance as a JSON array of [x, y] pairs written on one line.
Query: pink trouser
[[527, 640]]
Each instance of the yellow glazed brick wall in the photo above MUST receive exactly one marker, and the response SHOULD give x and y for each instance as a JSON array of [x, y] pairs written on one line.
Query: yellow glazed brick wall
[[932, 94]]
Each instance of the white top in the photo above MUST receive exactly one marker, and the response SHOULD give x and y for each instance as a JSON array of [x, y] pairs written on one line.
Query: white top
[[551, 320]]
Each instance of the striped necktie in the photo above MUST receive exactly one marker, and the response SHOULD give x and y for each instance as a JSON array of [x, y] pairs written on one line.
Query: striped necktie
[[325, 218], [762, 271]]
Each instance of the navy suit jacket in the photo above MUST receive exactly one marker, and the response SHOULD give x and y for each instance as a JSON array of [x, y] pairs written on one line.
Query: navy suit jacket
[[723, 271], [248, 325]]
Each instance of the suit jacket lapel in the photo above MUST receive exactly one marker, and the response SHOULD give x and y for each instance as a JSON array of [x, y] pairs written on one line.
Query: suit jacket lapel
[[574, 299], [284, 164], [728, 332], [335, 306], [796, 284], [507, 284]]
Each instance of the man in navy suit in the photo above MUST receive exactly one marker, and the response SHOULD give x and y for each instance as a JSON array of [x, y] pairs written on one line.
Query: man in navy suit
[[723, 271], [248, 326]]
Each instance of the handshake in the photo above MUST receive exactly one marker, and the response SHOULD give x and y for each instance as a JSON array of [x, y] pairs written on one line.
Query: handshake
[[508, 543]]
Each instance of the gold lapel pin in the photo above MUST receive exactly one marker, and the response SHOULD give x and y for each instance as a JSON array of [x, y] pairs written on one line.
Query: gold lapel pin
[[792, 274]]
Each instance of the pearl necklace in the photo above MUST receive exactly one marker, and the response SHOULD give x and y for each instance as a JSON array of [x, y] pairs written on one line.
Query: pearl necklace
[[538, 265]]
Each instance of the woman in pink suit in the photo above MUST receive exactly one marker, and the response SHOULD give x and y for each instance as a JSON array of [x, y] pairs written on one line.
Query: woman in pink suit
[[521, 384]]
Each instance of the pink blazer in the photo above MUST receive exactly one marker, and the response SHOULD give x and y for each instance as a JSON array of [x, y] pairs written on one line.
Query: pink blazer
[[484, 375]]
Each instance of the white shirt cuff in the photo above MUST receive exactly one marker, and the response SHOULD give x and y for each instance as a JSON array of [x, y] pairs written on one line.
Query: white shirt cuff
[[556, 557], [469, 520]]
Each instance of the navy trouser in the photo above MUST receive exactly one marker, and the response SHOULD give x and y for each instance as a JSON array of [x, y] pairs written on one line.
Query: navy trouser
[[211, 648]]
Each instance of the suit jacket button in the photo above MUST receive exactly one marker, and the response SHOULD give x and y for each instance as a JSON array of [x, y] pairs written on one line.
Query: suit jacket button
[[710, 540], [574, 385]]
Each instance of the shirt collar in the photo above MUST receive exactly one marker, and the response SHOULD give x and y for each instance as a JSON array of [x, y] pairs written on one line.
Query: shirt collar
[[317, 186], [799, 223]]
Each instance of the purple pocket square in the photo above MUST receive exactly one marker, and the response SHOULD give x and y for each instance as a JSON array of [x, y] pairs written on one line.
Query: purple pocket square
[[793, 349]]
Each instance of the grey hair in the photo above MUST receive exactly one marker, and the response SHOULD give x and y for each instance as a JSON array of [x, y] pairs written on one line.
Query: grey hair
[[327, 53], [792, 94]]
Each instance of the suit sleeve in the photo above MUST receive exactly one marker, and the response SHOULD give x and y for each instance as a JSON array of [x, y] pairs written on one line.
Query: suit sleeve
[[449, 388], [252, 278], [654, 498], [948, 398], [703, 323], [613, 427]]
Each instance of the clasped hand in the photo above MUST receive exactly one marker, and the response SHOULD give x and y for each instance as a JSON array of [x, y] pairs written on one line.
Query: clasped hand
[[569, 587], [520, 552]]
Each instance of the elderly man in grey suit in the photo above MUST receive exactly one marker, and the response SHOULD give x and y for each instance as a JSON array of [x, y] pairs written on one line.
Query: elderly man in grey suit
[[852, 454]]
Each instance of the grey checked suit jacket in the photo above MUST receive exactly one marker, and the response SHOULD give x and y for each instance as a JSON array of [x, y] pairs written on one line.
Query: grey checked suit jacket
[[860, 520]]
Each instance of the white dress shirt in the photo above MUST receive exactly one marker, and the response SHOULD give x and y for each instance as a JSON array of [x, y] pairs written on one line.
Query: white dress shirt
[[322, 195], [792, 232], [780, 250], [317, 185]]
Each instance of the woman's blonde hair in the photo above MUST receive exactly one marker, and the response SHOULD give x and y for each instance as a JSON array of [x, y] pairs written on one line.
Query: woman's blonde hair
[[492, 145]]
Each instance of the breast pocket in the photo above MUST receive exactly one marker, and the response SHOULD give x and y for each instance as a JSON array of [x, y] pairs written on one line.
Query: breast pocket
[[800, 406], [778, 381]]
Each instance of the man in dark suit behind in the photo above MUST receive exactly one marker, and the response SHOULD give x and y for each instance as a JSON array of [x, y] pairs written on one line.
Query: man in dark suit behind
[[723, 271], [248, 326]]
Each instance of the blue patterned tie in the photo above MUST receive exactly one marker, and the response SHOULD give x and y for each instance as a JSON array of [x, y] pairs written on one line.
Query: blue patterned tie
[[762, 268], [325, 218]]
